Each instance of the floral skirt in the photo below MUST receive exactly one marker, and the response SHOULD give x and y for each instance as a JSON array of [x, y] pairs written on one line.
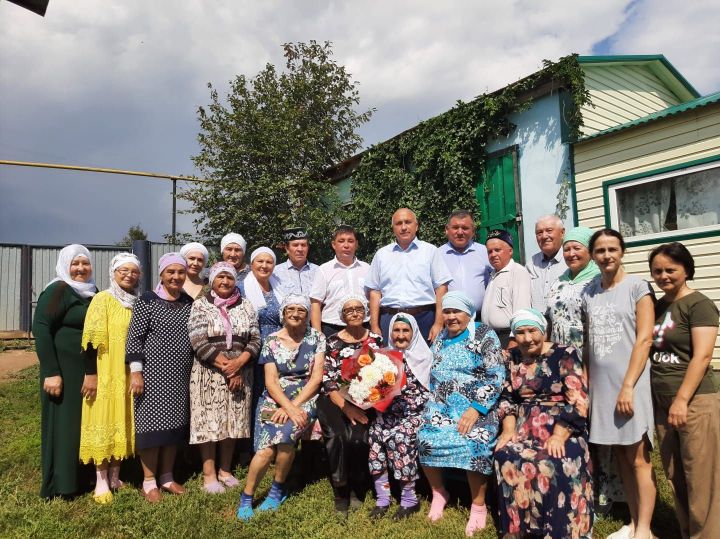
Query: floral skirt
[[541, 494]]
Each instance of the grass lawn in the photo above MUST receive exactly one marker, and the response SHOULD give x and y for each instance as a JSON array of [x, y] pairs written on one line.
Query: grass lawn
[[307, 513]]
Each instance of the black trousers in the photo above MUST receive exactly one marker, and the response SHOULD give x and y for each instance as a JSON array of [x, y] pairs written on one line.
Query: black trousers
[[346, 446]]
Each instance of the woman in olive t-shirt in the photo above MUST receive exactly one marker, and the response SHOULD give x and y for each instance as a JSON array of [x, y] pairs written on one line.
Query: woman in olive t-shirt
[[685, 392]]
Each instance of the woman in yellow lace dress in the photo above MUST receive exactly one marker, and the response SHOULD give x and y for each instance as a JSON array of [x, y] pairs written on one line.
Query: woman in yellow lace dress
[[107, 434]]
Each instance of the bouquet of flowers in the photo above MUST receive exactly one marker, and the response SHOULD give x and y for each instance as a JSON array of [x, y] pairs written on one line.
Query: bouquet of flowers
[[374, 377]]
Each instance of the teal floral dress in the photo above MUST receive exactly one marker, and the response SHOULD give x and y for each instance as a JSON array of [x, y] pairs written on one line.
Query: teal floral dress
[[467, 371], [539, 494], [294, 369]]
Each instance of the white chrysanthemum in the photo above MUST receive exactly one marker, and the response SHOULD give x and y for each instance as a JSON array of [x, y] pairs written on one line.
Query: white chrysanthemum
[[346, 352], [371, 375], [384, 364], [358, 391]]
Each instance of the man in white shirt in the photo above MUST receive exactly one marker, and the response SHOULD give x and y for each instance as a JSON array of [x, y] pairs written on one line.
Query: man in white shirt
[[335, 280], [410, 276], [296, 274], [509, 287], [548, 265]]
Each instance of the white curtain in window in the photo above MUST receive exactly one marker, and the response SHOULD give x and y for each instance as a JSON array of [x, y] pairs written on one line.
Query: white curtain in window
[[698, 199], [643, 208]]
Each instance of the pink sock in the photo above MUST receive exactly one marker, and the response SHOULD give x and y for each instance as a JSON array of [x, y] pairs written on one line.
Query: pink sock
[[477, 520], [101, 482], [166, 479], [149, 484], [437, 506]]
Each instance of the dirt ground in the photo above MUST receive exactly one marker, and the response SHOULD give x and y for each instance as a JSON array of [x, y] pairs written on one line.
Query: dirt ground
[[12, 361]]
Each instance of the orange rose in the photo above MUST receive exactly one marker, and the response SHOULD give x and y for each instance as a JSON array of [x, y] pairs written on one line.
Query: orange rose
[[389, 378], [374, 395], [364, 360]]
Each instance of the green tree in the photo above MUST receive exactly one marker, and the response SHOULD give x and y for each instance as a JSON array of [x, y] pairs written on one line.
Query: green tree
[[135, 232], [266, 146]]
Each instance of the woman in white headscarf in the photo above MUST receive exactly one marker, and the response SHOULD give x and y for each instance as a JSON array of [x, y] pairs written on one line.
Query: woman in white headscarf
[[196, 255], [262, 289], [232, 249], [107, 435], [57, 328], [393, 434]]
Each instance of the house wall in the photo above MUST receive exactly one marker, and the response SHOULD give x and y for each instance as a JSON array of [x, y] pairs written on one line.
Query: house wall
[[622, 93], [543, 162], [685, 137]]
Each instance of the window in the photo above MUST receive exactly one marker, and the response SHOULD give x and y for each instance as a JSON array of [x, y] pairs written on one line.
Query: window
[[674, 203]]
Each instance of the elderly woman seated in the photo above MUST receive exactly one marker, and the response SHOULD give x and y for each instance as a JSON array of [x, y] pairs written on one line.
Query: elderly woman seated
[[460, 422], [293, 360], [542, 459]]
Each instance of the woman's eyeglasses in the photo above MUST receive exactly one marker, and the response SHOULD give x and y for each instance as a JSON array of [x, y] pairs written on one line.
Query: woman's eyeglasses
[[354, 310], [126, 272]]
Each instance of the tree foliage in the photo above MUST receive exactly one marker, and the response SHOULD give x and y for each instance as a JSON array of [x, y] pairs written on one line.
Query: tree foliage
[[135, 232], [435, 167], [265, 147]]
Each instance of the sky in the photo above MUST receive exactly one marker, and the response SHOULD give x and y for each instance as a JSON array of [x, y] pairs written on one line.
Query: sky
[[117, 84]]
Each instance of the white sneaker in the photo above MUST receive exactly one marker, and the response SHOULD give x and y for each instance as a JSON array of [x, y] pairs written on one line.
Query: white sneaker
[[623, 533]]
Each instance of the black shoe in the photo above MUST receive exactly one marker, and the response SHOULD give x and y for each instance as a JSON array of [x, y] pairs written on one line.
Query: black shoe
[[355, 502], [378, 511], [404, 512], [341, 507]]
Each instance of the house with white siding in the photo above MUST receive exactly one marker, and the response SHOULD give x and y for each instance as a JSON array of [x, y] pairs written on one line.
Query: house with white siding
[[655, 176]]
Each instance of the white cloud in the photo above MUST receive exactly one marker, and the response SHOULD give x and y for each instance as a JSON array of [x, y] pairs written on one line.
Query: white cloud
[[117, 83]]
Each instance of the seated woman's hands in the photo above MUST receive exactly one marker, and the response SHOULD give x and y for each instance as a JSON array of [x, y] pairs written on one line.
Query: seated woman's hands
[[235, 382], [293, 413], [354, 414], [467, 420], [555, 445], [504, 439], [53, 385]]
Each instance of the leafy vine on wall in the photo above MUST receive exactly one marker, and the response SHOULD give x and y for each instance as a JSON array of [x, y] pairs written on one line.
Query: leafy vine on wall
[[434, 167]]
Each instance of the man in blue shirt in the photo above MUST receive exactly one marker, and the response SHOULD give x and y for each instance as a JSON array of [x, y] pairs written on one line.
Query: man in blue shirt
[[296, 274], [466, 259], [408, 275]]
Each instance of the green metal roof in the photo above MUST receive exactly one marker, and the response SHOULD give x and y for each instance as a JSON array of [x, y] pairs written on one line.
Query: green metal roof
[[656, 63], [670, 111]]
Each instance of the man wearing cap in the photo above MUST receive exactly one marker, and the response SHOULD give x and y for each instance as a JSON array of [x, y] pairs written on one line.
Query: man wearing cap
[[232, 249], [335, 280], [509, 287], [548, 265], [408, 275], [296, 274], [466, 259]]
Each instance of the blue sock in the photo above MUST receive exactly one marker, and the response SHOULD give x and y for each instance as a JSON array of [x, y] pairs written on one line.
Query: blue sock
[[277, 491], [246, 500]]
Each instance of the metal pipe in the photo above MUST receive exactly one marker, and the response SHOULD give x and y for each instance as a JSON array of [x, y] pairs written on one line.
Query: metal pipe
[[104, 170], [174, 213]]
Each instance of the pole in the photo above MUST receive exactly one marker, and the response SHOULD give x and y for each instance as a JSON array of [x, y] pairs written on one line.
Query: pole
[[174, 208], [141, 248]]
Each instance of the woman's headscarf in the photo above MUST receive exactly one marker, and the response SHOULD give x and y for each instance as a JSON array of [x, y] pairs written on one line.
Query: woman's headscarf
[[127, 299], [166, 260], [62, 270], [232, 237], [460, 301], [418, 355], [253, 290], [528, 317], [223, 303], [295, 299], [353, 297], [582, 235], [195, 247]]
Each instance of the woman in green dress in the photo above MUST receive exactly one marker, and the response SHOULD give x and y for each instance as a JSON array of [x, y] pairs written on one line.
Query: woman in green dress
[[57, 327]]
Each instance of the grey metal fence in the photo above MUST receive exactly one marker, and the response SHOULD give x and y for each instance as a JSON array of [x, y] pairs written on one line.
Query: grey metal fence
[[26, 269]]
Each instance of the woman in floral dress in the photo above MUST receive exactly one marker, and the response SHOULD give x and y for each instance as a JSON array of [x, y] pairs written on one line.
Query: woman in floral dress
[[542, 460], [564, 314], [460, 422], [344, 425], [393, 433], [293, 361]]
